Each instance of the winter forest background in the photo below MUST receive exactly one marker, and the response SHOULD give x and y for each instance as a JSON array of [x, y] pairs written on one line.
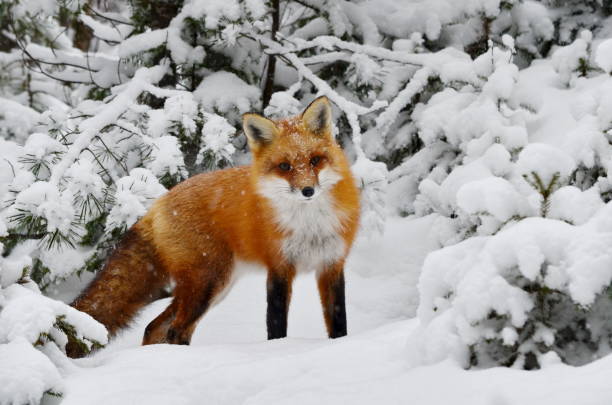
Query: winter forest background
[[490, 120]]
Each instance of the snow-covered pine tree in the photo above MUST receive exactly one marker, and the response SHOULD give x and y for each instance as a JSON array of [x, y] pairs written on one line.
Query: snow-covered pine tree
[[525, 202]]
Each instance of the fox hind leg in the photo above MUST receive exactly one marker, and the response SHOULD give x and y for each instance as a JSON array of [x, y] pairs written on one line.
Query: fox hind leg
[[189, 312], [198, 284], [196, 294], [157, 329]]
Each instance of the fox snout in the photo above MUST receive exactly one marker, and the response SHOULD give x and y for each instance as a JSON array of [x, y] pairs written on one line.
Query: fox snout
[[307, 187], [308, 191], [304, 183]]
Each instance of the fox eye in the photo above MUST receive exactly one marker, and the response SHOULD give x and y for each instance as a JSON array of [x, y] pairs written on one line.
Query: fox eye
[[284, 166], [315, 160]]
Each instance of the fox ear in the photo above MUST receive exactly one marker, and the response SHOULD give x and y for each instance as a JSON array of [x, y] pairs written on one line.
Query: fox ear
[[317, 117], [259, 130]]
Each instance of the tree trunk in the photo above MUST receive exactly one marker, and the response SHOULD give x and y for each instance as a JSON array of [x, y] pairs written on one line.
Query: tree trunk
[[269, 84]]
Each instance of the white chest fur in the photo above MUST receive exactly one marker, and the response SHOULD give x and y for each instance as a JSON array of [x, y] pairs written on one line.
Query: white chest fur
[[313, 231], [313, 238]]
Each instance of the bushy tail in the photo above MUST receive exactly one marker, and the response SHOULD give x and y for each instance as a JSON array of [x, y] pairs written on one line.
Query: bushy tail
[[131, 278]]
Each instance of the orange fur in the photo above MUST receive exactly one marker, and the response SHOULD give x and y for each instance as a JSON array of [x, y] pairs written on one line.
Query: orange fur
[[200, 228]]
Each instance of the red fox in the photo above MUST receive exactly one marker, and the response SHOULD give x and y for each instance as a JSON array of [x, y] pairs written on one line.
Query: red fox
[[296, 207]]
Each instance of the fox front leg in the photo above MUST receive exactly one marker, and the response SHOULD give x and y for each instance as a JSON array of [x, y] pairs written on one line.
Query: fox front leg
[[331, 289], [279, 295]]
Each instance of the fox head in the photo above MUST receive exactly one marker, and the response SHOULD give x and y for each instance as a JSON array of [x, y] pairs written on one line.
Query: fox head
[[297, 157]]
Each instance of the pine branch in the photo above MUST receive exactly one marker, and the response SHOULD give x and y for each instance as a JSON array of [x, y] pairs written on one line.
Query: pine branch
[[110, 113]]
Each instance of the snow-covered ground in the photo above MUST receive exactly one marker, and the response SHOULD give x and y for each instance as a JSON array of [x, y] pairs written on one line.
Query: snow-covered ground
[[230, 361]]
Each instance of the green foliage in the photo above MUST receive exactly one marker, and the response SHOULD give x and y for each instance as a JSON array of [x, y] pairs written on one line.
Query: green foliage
[[39, 274], [153, 14], [98, 93], [86, 345], [54, 394], [545, 190], [94, 231], [30, 226]]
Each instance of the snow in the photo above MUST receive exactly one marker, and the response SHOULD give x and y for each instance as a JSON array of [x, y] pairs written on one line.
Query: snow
[[546, 161], [17, 120], [418, 82], [444, 196], [367, 71], [361, 369], [142, 80], [100, 30], [283, 103], [399, 19], [86, 185], [534, 23], [216, 134], [501, 82], [134, 195], [566, 59], [142, 42], [181, 108], [362, 23], [222, 91], [371, 178], [462, 285], [498, 160], [63, 262], [603, 56], [166, 157], [471, 296], [26, 374], [572, 205], [493, 195], [11, 269], [229, 360], [105, 71], [44, 200], [40, 145], [26, 314]]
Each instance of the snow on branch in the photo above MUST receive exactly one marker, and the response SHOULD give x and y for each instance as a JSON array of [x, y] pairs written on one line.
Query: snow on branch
[[352, 110], [112, 17], [329, 57], [80, 67], [142, 42], [434, 61], [91, 127], [403, 98], [102, 31], [431, 65]]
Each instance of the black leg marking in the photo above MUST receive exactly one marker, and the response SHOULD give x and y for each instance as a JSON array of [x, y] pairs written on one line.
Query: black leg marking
[[278, 306], [337, 309], [171, 336]]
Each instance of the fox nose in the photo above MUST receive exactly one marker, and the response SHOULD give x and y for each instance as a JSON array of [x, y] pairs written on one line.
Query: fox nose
[[308, 191]]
